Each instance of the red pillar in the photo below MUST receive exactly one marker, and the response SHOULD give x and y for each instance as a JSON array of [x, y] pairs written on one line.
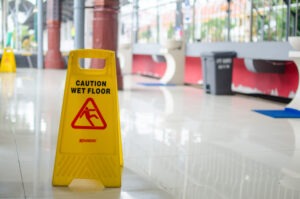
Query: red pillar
[[105, 31], [53, 58]]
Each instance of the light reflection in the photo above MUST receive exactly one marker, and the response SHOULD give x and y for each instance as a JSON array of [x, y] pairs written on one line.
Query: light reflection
[[7, 84], [168, 100], [197, 138], [175, 156], [43, 125], [185, 136], [19, 83], [125, 195], [144, 122], [190, 155], [291, 171], [159, 135], [26, 114]]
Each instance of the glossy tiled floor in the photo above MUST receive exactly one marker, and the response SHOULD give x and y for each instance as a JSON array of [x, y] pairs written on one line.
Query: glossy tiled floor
[[178, 143]]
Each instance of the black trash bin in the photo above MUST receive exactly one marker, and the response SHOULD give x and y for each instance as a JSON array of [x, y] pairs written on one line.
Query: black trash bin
[[217, 72]]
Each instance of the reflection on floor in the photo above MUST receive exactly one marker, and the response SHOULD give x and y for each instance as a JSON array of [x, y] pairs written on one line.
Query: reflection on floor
[[178, 142]]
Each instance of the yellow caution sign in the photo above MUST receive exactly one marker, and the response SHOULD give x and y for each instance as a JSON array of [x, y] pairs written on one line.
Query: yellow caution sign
[[8, 61], [89, 139]]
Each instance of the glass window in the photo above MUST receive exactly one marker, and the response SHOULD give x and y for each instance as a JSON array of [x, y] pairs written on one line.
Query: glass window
[[147, 31], [212, 21], [126, 23], [167, 22]]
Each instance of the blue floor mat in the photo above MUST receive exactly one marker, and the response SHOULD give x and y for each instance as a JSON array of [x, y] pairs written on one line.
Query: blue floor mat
[[285, 113], [154, 84]]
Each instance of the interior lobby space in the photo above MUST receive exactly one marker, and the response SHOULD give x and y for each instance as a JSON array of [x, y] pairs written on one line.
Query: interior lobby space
[[139, 99]]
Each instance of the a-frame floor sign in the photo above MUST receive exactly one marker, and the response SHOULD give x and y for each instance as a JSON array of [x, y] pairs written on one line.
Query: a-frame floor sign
[[89, 141], [8, 61]]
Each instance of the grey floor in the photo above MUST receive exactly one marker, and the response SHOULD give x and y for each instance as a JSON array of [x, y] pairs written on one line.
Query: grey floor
[[178, 142]]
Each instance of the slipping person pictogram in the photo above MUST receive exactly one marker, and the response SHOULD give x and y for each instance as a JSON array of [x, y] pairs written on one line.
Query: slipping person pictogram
[[89, 117]]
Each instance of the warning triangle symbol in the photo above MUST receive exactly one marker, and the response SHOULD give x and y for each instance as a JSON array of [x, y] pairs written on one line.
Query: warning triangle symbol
[[89, 117]]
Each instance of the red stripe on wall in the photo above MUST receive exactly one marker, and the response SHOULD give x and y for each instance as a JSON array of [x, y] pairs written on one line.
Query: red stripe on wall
[[268, 83], [282, 85]]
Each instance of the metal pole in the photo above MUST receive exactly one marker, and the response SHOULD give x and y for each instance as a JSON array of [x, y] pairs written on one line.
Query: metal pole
[[40, 55], [228, 21], [288, 20], [193, 21], [179, 20], [157, 22], [4, 21], [79, 23], [136, 20], [17, 40], [296, 19], [263, 27], [251, 21]]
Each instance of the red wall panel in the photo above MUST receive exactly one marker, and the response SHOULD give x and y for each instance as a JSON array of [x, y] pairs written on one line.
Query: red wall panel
[[244, 81]]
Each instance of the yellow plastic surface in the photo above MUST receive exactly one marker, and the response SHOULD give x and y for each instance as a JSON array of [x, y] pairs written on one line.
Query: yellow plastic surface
[[8, 61], [89, 141]]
